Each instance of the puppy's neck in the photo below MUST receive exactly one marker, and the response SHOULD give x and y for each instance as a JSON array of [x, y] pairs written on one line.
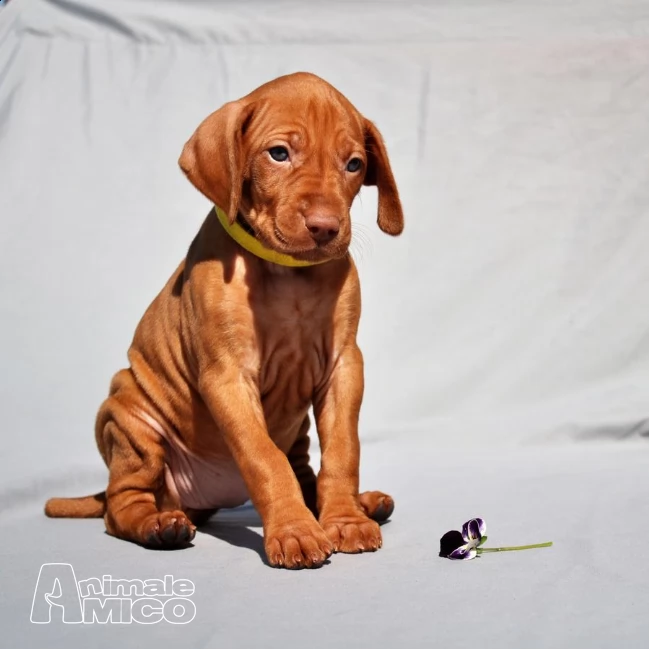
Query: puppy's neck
[[276, 270], [249, 242]]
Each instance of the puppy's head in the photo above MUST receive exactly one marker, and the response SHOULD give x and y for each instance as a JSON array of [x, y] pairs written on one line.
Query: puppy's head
[[288, 159]]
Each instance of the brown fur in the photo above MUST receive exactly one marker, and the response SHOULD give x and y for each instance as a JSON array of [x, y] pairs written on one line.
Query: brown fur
[[233, 352]]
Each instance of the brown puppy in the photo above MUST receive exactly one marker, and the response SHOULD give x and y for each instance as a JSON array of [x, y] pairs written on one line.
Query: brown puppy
[[256, 325]]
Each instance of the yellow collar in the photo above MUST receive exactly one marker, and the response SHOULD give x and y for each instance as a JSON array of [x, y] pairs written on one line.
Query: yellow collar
[[256, 247]]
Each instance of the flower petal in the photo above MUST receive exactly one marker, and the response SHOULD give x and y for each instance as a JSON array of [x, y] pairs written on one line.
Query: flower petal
[[464, 553], [450, 541], [474, 530]]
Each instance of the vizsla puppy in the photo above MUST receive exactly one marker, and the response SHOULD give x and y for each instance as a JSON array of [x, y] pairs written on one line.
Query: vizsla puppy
[[256, 325]]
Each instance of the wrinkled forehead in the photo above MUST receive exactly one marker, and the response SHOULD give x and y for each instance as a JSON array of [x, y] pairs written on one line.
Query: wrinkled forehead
[[302, 119]]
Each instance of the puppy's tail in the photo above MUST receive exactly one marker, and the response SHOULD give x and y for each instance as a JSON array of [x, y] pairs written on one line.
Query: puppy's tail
[[84, 507]]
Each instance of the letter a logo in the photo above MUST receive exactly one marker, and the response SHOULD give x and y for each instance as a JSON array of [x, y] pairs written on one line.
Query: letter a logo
[[56, 587]]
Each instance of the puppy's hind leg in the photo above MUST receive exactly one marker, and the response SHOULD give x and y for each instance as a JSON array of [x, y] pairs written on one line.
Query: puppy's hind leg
[[377, 505], [137, 498]]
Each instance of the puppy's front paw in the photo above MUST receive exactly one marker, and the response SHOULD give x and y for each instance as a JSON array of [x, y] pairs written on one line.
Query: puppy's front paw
[[352, 533], [297, 544], [167, 530]]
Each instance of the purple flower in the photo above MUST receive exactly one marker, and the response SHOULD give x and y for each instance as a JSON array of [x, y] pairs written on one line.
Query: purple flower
[[464, 545]]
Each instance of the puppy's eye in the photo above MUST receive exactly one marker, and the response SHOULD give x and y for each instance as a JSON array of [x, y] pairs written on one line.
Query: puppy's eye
[[278, 153], [354, 165]]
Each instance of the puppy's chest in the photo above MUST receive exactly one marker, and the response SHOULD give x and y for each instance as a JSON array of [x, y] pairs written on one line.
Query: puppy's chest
[[292, 362], [292, 353]]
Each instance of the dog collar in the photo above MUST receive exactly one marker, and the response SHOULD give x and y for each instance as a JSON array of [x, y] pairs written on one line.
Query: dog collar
[[250, 243]]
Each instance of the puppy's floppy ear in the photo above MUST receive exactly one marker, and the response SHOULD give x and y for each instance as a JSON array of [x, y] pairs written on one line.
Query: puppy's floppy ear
[[379, 173], [213, 160]]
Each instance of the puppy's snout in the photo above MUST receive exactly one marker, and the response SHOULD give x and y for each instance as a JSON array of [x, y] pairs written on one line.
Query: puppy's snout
[[323, 226]]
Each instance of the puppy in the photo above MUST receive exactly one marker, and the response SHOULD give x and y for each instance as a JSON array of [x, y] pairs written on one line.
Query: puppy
[[255, 326]]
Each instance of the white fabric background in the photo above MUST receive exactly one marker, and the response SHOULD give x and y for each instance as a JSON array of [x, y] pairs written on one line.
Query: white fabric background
[[506, 333]]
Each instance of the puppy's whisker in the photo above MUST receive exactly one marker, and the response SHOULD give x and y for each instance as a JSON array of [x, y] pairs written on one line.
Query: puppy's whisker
[[357, 246], [361, 240]]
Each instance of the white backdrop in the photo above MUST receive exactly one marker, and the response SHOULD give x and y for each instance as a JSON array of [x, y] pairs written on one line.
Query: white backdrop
[[512, 312]]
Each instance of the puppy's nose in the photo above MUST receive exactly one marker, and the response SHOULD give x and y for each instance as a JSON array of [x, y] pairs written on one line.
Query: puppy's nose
[[323, 226]]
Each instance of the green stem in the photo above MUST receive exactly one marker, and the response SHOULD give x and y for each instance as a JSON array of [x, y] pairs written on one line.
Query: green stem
[[516, 547]]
